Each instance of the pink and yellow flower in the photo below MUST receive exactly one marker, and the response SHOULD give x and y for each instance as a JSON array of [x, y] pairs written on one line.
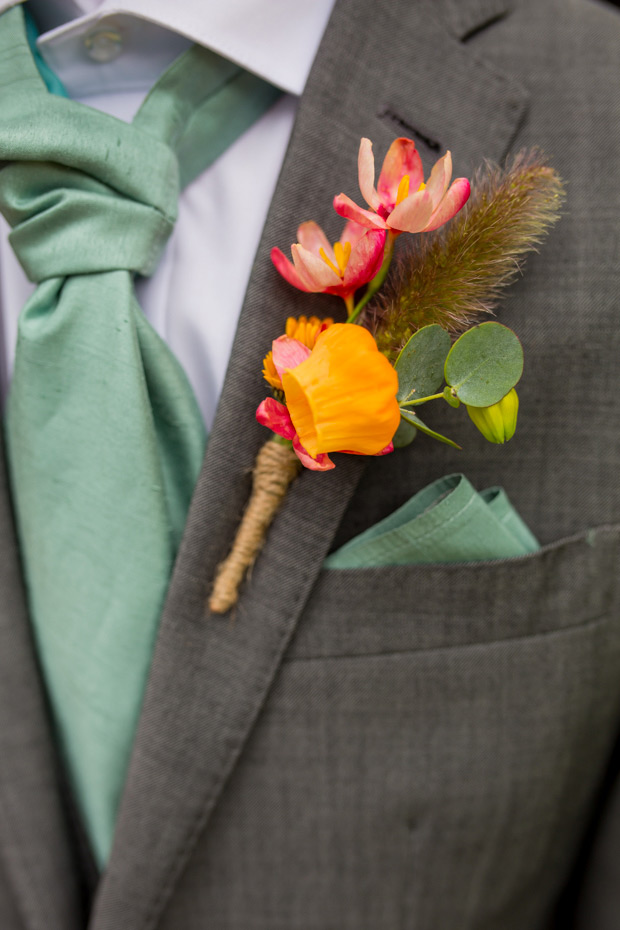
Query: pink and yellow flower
[[341, 269], [340, 396], [305, 330], [402, 201]]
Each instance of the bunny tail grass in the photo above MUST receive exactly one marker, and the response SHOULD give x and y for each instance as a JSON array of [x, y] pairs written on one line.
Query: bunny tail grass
[[456, 274], [275, 467]]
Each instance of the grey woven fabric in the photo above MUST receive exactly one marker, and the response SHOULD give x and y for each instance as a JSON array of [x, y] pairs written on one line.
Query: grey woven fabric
[[423, 747], [40, 883]]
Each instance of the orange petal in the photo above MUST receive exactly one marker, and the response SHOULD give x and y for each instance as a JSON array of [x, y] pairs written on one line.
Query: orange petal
[[307, 330], [344, 395], [270, 372]]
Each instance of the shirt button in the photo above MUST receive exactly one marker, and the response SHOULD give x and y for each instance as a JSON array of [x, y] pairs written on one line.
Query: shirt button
[[103, 44]]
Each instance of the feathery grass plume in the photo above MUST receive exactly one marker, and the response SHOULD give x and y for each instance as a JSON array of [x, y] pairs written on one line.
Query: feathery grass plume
[[456, 274]]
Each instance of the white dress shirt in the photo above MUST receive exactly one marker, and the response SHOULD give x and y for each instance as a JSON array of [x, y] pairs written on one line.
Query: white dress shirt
[[108, 55]]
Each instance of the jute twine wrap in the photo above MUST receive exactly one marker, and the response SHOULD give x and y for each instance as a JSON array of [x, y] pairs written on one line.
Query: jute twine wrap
[[275, 467]]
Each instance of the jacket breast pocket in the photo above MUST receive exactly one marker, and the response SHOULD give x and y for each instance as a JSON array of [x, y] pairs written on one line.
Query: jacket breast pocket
[[403, 608], [455, 722]]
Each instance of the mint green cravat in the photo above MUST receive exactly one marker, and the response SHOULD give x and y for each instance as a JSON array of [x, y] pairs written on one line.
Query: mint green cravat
[[104, 436], [447, 521]]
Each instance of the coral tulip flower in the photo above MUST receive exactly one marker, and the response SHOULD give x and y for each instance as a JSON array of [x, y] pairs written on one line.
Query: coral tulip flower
[[401, 201], [318, 267]]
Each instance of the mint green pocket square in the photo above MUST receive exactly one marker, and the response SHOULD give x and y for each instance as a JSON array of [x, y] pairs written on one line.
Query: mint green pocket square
[[448, 521]]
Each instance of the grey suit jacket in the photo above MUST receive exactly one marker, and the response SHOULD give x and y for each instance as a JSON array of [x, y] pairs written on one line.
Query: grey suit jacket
[[411, 748]]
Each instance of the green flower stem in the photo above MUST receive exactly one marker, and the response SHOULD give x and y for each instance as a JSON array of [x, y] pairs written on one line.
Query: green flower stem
[[281, 441], [420, 400], [350, 305], [378, 279]]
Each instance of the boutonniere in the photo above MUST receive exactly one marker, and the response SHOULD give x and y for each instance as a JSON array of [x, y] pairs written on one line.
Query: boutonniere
[[411, 337]]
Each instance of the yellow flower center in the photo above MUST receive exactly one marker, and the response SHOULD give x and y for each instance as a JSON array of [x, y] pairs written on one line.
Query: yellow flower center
[[403, 189], [342, 254], [307, 330]]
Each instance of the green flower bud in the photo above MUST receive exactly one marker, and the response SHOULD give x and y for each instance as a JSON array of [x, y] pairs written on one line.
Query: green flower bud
[[498, 422]]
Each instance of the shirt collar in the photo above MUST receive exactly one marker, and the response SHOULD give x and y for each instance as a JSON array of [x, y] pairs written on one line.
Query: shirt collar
[[276, 39]]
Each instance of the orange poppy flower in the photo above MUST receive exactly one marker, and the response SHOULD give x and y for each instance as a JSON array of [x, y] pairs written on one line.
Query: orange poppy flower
[[343, 395]]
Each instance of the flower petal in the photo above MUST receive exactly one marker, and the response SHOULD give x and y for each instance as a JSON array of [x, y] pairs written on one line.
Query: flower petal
[[313, 269], [352, 233], [276, 417], [365, 260], [346, 207], [439, 179], [321, 463], [344, 395], [311, 237], [402, 158], [389, 448], [288, 353], [456, 198], [413, 214], [366, 172], [270, 374], [288, 271]]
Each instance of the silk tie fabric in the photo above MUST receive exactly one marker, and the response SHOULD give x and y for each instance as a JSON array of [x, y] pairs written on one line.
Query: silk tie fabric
[[104, 436]]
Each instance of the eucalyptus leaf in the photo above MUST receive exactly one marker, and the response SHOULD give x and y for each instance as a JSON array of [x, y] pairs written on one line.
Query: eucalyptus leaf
[[484, 364], [420, 363], [404, 435], [414, 420]]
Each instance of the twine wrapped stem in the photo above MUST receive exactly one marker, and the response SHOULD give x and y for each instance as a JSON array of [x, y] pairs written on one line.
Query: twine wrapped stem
[[275, 468]]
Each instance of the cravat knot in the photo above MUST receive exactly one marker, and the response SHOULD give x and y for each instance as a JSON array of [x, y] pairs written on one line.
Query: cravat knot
[[104, 436], [104, 200], [87, 193]]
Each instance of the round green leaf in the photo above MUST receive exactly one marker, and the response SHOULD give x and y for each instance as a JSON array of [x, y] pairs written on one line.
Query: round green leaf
[[420, 363], [484, 364]]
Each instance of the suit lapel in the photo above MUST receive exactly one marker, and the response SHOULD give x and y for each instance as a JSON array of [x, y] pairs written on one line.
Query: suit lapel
[[210, 675], [35, 849]]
